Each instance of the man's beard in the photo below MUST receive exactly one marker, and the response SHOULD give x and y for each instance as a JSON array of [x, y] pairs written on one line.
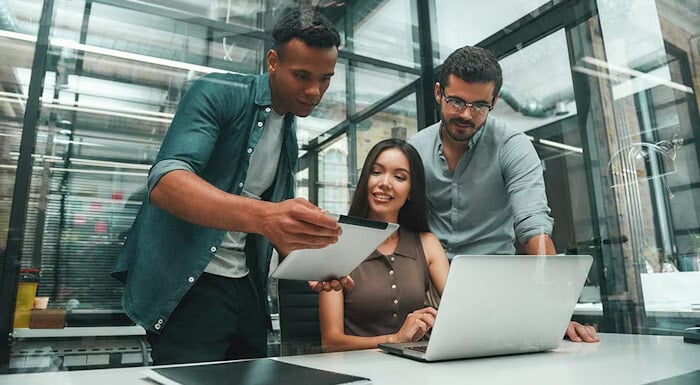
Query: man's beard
[[465, 123]]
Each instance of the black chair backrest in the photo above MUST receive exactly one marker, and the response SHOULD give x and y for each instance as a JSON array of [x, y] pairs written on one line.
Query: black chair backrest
[[300, 331]]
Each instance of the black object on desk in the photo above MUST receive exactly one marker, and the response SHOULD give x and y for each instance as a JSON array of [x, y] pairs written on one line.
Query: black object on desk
[[251, 372], [692, 335]]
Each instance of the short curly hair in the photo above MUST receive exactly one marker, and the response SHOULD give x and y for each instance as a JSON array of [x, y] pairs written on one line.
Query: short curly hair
[[473, 65], [306, 24]]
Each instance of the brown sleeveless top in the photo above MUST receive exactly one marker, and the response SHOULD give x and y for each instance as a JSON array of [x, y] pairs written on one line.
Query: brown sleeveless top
[[387, 288]]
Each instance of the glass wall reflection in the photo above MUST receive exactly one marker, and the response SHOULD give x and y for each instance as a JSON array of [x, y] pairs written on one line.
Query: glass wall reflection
[[12, 108], [373, 84], [396, 121], [334, 192], [484, 19], [385, 30]]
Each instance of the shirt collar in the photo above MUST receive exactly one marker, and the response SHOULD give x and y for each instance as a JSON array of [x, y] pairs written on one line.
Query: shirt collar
[[403, 249], [263, 94]]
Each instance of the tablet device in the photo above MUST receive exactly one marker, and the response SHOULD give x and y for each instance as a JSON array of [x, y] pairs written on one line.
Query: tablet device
[[359, 239]]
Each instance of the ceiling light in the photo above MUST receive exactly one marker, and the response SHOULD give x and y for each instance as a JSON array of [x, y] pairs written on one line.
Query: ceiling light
[[59, 42]]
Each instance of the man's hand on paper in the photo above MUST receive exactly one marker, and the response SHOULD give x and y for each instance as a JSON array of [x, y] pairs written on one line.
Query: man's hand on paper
[[333, 285], [297, 224]]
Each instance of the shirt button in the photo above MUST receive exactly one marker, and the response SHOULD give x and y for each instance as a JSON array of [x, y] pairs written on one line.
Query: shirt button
[[267, 109], [213, 249], [160, 321], [157, 326], [240, 184], [260, 124], [190, 279], [391, 272], [396, 301], [393, 286], [392, 259], [250, 150], [395, 315]]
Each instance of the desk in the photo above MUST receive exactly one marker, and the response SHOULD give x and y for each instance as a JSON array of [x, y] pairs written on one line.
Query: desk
[[619, 359]]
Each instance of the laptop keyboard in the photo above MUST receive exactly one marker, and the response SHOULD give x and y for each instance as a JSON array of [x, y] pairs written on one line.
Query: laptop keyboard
[[419, 348]]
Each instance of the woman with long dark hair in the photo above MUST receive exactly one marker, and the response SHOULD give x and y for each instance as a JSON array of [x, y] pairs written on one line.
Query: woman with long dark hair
[[387, 303]]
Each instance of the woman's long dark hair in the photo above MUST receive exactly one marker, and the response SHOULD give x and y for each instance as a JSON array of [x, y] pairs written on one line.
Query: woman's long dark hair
[[413, 214]]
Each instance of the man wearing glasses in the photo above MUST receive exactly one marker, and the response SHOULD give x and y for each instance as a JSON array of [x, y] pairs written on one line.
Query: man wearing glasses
[[483, 178]]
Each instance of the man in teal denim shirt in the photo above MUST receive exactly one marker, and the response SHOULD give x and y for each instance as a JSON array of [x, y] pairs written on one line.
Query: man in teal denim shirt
[[196, 260]]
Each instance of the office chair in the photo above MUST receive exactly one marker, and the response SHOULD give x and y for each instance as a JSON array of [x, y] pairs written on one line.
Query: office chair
[[300, 331]]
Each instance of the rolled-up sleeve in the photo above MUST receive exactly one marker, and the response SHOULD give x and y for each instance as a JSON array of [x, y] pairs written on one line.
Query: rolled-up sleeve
[[522, 173], [195, 128], [163, 167]]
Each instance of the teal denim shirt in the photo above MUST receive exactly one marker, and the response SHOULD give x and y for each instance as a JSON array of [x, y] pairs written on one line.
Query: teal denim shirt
[[215, 129]]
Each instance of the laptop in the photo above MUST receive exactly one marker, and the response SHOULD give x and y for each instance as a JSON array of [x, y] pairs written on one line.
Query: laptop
[[501, 304]]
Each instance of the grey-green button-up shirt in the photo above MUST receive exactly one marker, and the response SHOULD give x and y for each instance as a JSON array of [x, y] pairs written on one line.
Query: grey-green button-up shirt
[[495, 193]]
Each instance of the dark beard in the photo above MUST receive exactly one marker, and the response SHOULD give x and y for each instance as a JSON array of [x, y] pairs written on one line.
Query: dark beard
[[443, 127]]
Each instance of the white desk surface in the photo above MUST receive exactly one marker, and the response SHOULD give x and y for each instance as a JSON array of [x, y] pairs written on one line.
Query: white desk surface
[[618, 359]]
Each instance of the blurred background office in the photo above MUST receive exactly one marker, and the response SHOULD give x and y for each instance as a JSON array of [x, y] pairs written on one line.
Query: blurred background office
[[607, 90]]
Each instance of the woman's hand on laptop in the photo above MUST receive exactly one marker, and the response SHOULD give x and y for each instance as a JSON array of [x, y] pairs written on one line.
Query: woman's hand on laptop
[[415, 326], [581, 333], [334, 285]]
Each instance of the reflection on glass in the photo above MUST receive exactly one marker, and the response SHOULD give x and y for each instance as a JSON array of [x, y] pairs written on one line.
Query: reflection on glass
[[17, 55], [333, 192], [645, 118], [485, 19], [673, 113], [384, 30], [107, 102], [649, 106], [537, 85], [396, 121], [373, 84], [12, 106]]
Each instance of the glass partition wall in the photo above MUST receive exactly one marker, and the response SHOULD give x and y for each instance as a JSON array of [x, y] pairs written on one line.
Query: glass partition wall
[[606, 90]]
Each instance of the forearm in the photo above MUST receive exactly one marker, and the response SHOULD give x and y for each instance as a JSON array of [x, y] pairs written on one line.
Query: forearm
[[189, 197], [341, 342], [540, 245]]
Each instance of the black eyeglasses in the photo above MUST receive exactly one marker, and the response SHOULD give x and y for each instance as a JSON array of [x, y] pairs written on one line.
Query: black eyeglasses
[[458, 105]]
